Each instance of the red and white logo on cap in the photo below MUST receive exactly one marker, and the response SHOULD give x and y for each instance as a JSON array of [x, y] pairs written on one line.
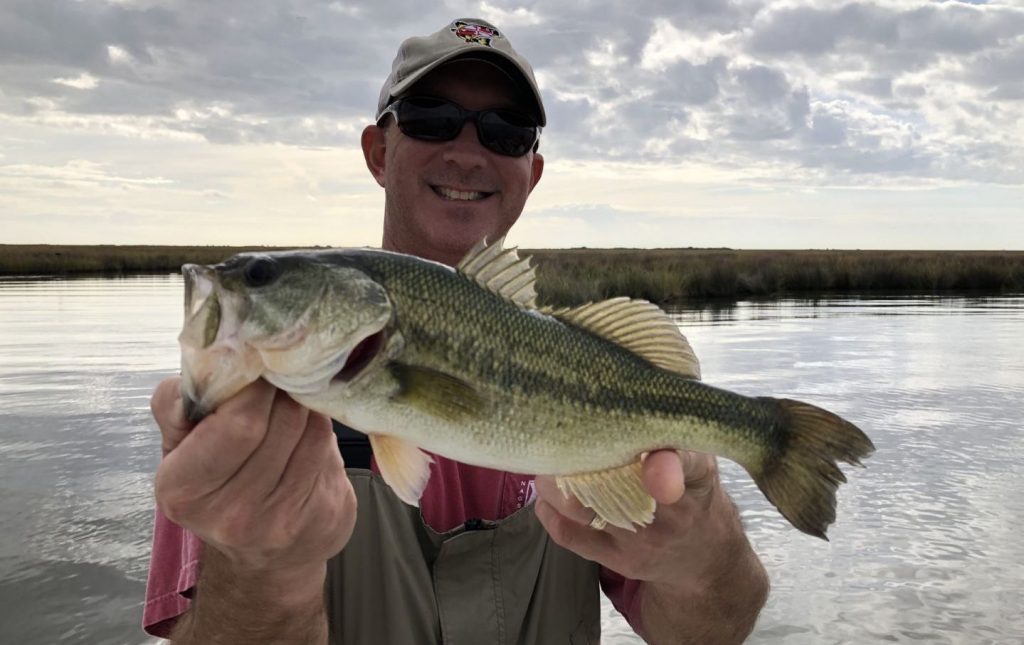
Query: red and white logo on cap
[[472, 32]]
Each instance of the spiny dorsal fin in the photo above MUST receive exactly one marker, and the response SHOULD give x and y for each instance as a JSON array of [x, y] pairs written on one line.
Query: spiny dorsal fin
[[639, 326], [502, 271]]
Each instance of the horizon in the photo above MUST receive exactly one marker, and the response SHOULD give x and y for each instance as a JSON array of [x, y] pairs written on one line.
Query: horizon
[[525, 248], [745, 125]]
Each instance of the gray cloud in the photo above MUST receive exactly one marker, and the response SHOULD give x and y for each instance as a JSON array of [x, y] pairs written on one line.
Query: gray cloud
[[1000, 70], [877, 86], [948, 27], [261, 58], [687, 83], [827, 130], [855, 90]]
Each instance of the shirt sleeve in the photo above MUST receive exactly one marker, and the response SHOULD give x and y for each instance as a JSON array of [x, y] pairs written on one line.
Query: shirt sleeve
[[624, 594], [173, 567]]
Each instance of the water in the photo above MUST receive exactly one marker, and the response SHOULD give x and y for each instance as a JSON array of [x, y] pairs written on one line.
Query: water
[[926, 547]]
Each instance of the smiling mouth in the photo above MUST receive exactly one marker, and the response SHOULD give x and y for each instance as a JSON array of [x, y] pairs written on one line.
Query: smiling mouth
[[454, 195]]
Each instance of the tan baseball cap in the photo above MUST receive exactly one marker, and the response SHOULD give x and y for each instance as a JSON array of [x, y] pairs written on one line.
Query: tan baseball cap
[[463, 38]]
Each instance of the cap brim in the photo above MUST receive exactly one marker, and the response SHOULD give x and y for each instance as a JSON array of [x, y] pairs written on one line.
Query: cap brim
[[485, 55]]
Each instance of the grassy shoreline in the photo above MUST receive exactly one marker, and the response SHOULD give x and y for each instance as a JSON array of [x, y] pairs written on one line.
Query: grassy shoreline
[[664, 276]]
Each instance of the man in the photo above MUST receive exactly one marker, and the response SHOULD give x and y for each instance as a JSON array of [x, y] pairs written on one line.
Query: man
[[270, 512]]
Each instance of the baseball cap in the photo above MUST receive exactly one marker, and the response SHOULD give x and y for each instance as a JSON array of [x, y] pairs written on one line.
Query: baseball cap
[[464, 38]]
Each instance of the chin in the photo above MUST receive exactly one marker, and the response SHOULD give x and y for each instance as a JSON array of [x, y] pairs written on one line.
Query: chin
[[460, 227], [455, 244]]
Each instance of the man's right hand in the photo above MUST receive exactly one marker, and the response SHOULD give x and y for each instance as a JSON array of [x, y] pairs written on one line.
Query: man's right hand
[[260, 480]]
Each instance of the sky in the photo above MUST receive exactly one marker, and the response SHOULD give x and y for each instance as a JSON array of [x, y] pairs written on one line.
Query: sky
[[671, 123]]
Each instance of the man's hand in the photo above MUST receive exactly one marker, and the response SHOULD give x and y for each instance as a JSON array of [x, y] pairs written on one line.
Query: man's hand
[[694, 554], [263, 485], [682, 484]]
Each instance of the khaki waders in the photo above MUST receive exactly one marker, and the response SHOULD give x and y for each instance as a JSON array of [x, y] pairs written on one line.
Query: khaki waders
[[399, 582]]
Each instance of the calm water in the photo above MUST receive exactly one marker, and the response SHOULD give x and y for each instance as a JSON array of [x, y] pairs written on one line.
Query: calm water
[[927, 547]]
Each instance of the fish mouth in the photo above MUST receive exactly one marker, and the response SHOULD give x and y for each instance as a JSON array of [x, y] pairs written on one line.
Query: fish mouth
[[215, 363], [200, 293], [224, 347], [194, 411], [360, 356], [340, 365]]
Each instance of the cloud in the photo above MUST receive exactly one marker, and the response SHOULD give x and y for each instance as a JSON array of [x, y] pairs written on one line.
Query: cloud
[[270, 62], [83, 81], [76, 173], [809, 30], [804, 93]]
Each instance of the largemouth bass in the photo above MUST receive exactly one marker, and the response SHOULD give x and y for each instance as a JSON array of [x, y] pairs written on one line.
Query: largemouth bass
[[462, 362]]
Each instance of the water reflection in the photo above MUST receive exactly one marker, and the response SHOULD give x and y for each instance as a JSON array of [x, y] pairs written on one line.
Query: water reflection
[[926, 546], [78, 360]]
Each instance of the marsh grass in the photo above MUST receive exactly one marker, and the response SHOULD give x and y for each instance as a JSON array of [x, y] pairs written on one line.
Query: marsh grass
[[46, 259], [668, 276], [664, 276]]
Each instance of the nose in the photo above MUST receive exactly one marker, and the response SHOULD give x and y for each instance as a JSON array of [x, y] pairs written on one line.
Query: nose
[[465, 150]]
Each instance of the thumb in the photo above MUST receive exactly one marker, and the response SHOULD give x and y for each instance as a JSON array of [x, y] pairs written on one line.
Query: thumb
[[668, 474], [700, 472], [169, 413], [663, 476]]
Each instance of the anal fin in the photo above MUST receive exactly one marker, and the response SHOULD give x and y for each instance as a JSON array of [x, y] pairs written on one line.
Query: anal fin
[[404, 467], [617, 495]]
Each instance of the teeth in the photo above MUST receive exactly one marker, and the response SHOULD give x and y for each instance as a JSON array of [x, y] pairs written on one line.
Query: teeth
[[449, 193]]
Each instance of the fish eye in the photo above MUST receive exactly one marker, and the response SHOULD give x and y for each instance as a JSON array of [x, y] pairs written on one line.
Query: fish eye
[[260, 271]]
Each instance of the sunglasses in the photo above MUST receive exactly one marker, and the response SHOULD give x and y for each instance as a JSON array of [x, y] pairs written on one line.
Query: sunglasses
[[505, 132]]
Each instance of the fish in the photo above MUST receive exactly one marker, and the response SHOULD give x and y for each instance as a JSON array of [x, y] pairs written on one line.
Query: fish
[[462, 362]]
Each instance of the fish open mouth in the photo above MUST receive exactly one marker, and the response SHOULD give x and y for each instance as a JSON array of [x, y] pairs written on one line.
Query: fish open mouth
[[360, 356], [215, 363]]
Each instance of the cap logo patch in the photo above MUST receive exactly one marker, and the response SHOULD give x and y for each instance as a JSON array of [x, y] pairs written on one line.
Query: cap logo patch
[[471, 32]]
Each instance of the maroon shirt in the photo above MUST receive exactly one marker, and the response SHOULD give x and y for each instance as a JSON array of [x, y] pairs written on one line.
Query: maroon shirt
[[455, 493]]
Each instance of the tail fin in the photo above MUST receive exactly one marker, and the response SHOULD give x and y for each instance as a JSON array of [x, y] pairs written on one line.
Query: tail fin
[[801, 477]]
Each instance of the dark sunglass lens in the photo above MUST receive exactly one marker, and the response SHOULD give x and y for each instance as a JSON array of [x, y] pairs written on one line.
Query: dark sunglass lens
[[429, 119], [507, 133]]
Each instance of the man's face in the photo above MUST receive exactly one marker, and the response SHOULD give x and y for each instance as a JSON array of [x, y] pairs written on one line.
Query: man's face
[[443, 197]]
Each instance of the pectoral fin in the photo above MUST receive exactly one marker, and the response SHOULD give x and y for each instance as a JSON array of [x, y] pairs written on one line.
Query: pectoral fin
[[437, 393], [404, 467], [617, 495]]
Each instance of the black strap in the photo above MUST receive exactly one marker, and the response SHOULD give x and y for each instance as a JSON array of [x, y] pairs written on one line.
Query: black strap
[[354, 446]]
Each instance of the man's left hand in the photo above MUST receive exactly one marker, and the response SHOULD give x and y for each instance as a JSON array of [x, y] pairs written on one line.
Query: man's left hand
[[693, 520]]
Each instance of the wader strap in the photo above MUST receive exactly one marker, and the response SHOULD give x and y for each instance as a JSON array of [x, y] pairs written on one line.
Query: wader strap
[[354, 446]]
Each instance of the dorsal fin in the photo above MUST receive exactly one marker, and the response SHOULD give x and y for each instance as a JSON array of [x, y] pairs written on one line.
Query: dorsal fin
[[502, 271], [637, 325]]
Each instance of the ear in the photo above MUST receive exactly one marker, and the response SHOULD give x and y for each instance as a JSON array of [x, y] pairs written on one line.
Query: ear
[[374, 142], [536, 169]]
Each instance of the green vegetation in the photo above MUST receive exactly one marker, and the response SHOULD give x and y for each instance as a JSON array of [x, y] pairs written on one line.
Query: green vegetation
[[46, 259], [668, 276], [660, 275]]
